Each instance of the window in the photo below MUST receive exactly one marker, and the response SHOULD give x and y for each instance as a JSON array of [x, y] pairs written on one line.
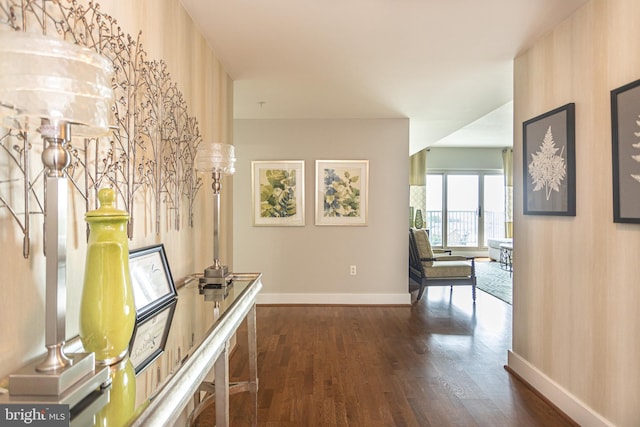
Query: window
[[464, 208]]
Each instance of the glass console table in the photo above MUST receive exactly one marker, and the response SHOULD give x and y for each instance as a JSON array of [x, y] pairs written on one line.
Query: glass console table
[[168, 386]]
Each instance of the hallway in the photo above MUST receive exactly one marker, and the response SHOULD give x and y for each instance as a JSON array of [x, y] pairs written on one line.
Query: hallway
[[437, 363]]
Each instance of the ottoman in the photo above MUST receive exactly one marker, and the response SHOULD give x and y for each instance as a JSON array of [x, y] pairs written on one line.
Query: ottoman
[[494, 247]]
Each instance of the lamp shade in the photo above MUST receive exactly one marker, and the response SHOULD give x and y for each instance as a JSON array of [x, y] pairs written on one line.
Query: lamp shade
[[216, 157], [45, 78]]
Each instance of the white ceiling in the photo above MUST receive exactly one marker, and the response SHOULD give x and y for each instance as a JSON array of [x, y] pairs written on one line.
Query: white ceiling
[[444, 64]]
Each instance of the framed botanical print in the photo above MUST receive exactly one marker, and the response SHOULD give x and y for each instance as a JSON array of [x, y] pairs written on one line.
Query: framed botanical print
[[549, 163], [625, 129], [342, 192], [278, 192]]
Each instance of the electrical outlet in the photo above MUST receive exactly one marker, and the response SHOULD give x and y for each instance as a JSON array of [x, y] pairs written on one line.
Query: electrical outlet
[[352, 270]]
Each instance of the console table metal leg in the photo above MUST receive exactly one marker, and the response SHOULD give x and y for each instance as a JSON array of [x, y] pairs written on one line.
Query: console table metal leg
[[221, 370], [253, 364]]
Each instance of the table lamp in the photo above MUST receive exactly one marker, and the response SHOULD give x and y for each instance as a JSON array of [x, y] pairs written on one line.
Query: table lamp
[[218, 159], [51, 86]]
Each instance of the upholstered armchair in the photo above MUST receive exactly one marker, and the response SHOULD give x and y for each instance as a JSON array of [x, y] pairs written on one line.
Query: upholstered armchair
[[430, 268]]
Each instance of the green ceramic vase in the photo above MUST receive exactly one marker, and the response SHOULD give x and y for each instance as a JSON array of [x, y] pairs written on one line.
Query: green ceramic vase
[[107, 310], [122, 396], [411, 217], [419, 221]]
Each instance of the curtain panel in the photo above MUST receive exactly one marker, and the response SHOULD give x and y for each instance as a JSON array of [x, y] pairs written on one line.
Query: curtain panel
[[507, 165]]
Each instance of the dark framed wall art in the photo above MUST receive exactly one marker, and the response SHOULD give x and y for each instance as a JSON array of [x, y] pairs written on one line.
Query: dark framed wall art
[[150, 337], [155, 296], [625, 129], [549, 163], [151, 280]]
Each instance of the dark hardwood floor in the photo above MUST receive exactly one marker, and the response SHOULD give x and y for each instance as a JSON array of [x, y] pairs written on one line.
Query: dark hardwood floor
[[438, 363]]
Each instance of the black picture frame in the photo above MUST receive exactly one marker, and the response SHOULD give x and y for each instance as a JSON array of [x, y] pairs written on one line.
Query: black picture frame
[[150, 336], [549, 163], [151, 279], [625, 141]]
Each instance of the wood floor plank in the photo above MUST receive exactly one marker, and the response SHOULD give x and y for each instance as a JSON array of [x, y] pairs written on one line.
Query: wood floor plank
[[439, 362]]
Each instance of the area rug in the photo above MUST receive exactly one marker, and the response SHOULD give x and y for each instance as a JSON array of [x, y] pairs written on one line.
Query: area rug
[[494, 280]]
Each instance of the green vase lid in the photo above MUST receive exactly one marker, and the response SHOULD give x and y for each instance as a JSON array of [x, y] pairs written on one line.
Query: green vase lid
[[107, 198]]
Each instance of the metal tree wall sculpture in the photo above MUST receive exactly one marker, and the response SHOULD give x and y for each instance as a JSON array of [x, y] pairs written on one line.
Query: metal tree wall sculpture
[[151, 153]]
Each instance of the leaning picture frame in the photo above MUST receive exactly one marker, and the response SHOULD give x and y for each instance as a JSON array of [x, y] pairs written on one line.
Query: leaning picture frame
[[342, 188], [153, 285], [549, 163], [150, 337], [625, 139], [278, 192]]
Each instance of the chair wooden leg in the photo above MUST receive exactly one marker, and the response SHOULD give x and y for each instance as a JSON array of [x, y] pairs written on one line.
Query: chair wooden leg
[[420, 292], [473, 292]]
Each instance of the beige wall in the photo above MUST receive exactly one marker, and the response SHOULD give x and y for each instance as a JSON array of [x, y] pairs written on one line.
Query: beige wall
[[576, 289], [167, 34], [310, 264]]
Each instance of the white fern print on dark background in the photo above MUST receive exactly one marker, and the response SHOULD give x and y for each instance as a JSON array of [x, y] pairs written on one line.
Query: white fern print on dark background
[[547, 168], [636, 157]]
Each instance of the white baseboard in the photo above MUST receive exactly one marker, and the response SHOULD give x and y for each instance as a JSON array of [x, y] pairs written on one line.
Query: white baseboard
[[573, 407], [337, 299]]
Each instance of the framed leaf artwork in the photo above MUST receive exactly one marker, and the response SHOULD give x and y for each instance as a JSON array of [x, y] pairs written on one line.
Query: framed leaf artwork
[[342, 192], [549, 163], [278, 192], [625, 129]]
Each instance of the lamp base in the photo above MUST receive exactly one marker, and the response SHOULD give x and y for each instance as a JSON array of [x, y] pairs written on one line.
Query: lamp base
[[215, 277], [215, 294], [68, 385]]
